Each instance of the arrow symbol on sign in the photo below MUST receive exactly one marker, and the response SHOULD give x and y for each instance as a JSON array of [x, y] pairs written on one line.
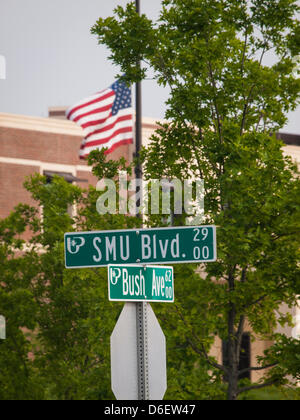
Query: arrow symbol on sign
[[114, 277]]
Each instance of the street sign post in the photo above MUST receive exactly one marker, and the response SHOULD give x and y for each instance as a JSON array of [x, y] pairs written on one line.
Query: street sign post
[[138, 355], [136, 283], [144, 246], [138, 348]]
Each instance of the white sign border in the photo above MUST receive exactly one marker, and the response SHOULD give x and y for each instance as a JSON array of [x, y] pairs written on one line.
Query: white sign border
[[141, 266], [143, 230]]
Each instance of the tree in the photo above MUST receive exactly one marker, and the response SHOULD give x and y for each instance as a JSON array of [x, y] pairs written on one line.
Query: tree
[[58, 321], [225, 106], [17, 379]]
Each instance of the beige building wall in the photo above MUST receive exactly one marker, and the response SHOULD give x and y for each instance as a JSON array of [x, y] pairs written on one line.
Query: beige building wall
[[294, 153]]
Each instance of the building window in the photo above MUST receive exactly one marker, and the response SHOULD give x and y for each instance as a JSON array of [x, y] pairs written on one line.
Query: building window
[[245, 356]]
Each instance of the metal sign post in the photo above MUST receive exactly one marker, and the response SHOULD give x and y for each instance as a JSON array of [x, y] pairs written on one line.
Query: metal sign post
[[142, 351], [138, 347]]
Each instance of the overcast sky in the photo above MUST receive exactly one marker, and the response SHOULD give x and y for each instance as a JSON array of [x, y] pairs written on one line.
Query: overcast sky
[[53, 60]]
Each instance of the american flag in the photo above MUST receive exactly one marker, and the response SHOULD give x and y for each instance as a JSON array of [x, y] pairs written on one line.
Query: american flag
[[106, 119]]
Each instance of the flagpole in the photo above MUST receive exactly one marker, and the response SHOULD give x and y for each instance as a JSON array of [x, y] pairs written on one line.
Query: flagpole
[[141, 307], [138, 103]]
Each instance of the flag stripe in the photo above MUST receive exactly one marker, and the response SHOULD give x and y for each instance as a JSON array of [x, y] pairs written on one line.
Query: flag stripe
[[101, 134], [93, 109], [95, 134], [88, 116], [120, 143], [90, 126], [125, 113], [94, 119], [110, 150], [90, 101], [109, 144], [106, 139]]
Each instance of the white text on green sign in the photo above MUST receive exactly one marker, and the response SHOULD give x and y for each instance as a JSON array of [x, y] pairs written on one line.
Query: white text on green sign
[[144, 246], [136, 283]]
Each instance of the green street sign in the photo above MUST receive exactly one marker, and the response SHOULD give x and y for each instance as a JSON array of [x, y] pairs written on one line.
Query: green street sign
[[136, 283], [191, 244]]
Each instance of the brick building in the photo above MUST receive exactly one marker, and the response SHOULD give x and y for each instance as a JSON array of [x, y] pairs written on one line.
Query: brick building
[[44, 145], [50, 146]]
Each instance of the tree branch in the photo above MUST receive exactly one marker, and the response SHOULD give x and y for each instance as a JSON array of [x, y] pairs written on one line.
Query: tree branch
[[239, 333], [259, 386], [254, 302], [202, 352], [212, 80], [244, 52], [250, 369], [249, 98]]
